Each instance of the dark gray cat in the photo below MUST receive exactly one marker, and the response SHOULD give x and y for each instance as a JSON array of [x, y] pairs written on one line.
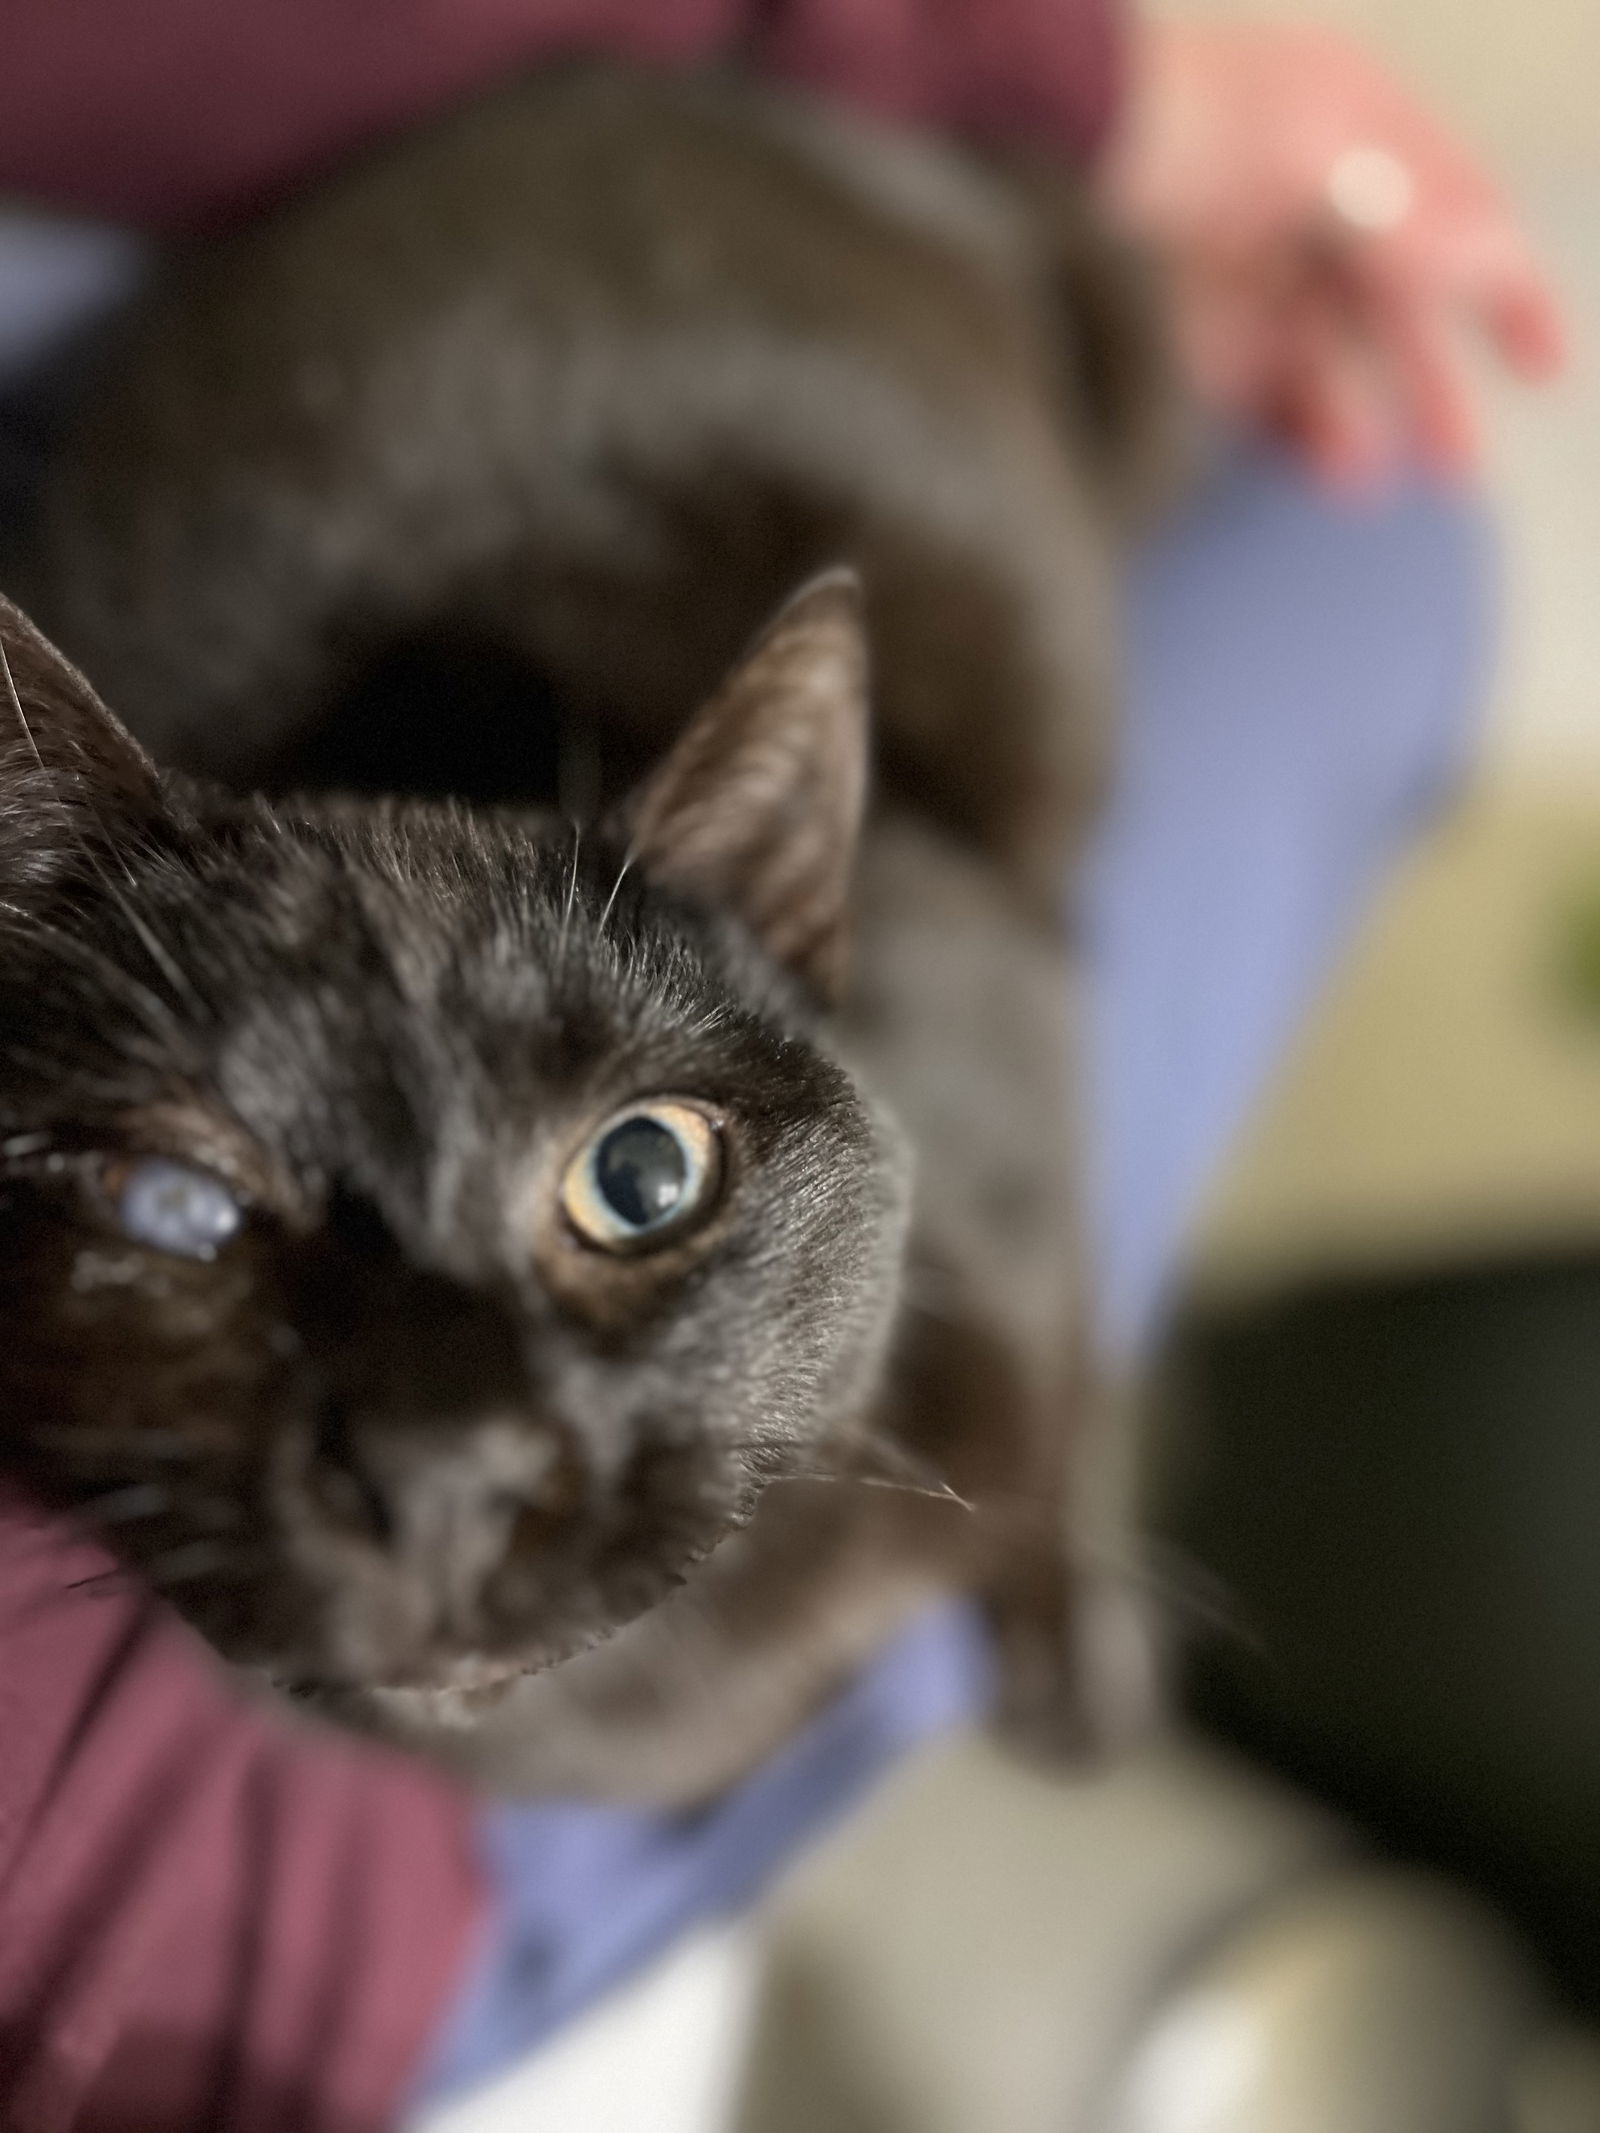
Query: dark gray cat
[[437, 1227]]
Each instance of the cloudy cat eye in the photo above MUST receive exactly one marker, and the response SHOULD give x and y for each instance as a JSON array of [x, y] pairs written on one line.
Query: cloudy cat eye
[[175, 1208], [647, 1174]]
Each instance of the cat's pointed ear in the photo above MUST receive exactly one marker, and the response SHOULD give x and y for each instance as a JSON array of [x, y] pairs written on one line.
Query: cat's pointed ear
[[70, 775], [758, 808]]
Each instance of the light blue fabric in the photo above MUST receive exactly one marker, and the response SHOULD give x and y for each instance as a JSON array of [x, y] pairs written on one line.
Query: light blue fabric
[[1302, 679]]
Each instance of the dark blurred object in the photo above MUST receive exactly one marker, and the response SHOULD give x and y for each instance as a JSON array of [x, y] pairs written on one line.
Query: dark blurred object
[[1396, 1483]]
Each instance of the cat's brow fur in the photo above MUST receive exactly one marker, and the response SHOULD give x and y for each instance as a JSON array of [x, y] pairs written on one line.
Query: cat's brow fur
[[473, 474]]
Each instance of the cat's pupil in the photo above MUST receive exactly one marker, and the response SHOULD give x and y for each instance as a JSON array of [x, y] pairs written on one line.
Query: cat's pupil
[[641, 1170], [177, 1209]]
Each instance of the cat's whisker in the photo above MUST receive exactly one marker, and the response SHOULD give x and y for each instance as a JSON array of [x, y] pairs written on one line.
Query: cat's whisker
[[943, 1492], [152, 945], [572, 896], [771, 1464], [902, 1462], [21, 715], [90, 959], [628, 858], [136, 1504], [1180, 1589], [903, 1467], [842, 1477]]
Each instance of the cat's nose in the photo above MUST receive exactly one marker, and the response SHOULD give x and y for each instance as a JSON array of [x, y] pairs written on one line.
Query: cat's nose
[[447, 1502]]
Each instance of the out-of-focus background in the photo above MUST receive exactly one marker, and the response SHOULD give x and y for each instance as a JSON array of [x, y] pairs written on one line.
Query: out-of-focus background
[[1444, 1097], [1360, 1891]]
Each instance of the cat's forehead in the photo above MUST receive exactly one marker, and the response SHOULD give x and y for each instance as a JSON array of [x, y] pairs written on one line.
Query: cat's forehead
[[407, 1000]]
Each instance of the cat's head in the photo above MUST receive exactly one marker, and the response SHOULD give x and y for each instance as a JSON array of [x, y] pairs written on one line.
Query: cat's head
[[423, 1233]]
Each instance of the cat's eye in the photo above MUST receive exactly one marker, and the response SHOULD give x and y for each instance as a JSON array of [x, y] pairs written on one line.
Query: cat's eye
[[176, 1208], [644, 1177]]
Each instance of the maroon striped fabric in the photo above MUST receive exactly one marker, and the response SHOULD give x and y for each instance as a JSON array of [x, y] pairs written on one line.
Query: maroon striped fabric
[[179, 112]]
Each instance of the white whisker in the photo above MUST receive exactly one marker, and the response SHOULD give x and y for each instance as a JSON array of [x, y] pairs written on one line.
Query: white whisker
[[151, 944], [104, 971], [628, 858], [572, 895]]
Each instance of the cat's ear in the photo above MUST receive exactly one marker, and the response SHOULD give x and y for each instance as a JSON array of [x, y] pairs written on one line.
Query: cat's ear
[[71, 777], [758, 808]]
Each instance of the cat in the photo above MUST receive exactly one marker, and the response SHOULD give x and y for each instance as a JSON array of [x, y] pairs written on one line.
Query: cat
[[556, 1266]]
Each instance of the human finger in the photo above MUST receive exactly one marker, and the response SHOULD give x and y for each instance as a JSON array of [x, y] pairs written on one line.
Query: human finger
[[1410, 332], [1329, 399]]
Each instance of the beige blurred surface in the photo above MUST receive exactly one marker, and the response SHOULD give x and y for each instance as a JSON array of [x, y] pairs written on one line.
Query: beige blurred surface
[[1445, 1098], [971, 1952], [1370, 2000], [1441, 1095]]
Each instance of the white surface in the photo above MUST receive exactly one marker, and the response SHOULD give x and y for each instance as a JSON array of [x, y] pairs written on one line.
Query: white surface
[[663, 2056]]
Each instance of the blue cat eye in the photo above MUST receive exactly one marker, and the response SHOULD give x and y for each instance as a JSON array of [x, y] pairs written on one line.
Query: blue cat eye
[[644, 1176], [176, 1209]]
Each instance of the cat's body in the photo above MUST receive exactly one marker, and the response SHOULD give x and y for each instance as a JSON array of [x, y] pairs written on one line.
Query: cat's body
[[474, 474]]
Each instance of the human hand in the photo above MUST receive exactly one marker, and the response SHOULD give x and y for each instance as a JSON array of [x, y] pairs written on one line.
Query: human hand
[[1325, 242]]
